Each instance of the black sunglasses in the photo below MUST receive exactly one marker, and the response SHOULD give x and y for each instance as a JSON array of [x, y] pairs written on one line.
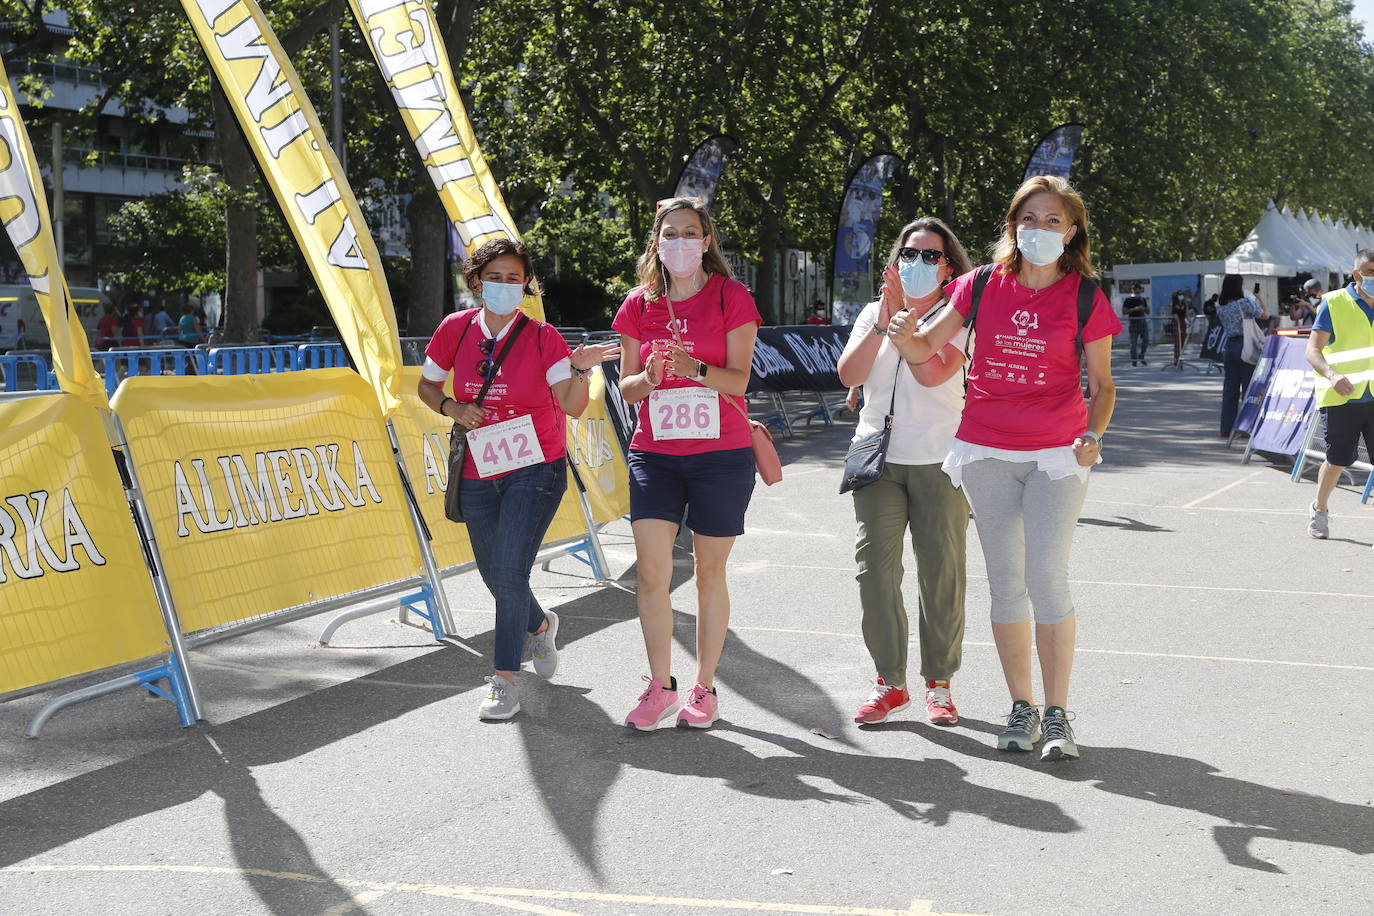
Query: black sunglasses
[[929, 255]]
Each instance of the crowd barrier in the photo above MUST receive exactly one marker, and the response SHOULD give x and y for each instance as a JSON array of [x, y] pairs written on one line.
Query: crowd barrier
[[18, 368], [256, 500], [1280, 413]]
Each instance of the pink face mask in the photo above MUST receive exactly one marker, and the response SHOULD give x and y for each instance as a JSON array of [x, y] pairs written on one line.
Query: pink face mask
[[681, 256]]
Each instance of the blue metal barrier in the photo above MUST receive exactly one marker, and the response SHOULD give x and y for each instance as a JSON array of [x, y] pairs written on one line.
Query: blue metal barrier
[[10, 364], [252, 360], [321, 356], [116, 365]]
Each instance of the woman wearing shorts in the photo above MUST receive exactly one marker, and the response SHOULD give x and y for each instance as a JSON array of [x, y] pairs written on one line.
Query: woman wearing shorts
[[914, 494], [1027, 438], [516, 471], [687, 341]]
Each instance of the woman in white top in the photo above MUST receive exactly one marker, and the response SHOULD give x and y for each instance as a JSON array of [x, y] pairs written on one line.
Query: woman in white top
[[913, 493]]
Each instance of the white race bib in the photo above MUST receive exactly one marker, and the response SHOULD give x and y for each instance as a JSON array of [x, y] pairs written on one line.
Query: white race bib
[[684, 413], [505, 446]]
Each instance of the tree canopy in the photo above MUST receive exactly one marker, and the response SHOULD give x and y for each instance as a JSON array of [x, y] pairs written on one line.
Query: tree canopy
[[1197, 113]]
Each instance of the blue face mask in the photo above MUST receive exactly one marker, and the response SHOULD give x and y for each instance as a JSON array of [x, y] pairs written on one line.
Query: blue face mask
[[1367, 286], [919, 279], [502, 298]]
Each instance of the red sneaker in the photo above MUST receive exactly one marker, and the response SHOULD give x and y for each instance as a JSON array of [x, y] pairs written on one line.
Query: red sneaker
[[881, 703], [939, 706]]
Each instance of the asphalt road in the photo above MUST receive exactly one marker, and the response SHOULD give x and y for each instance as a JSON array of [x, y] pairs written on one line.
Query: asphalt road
[[1221, 689]]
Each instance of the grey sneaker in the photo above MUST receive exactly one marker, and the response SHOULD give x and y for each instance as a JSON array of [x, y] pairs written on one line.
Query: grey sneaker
[[1023, 728], [1058, 735], [543, 651], [1317, 525], [502, 700]]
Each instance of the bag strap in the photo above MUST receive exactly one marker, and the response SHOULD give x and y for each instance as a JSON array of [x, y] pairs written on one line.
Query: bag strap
[[677, 338], [505, 351], [1087, 289]]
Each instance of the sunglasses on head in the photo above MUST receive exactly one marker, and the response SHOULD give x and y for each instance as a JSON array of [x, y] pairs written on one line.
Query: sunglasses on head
[[929, 255]]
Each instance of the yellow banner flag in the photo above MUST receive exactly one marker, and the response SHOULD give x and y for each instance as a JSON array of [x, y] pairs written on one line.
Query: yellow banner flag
[[286, 138], [409, 50], [24, 211]]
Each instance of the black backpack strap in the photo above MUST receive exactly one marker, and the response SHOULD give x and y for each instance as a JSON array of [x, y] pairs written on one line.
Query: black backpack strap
[[980, 280], [1087, 289]]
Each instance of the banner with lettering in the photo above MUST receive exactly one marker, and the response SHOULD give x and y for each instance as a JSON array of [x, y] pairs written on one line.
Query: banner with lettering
[[700, 175], [267, 491], [855, 236], [409, 50], [1055, 152], [1249, 409], [798, 358], [285, 135], [1289, 399], [24, 211], [75, 595]]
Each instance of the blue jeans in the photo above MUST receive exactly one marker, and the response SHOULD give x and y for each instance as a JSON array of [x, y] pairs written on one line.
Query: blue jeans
[[507, 518], [1140, 339], [1234, 383]]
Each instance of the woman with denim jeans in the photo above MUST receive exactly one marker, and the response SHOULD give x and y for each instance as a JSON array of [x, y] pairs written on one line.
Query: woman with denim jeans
[[515, 472], [1233, 308]]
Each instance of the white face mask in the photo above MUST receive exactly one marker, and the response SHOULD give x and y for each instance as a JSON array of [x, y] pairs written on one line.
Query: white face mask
[[1040, 246], [919, 279], [502, 298], [682, 256]]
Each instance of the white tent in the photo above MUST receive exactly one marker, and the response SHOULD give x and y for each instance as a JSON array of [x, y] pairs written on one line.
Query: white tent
[[1331, 246], [1272, 249]]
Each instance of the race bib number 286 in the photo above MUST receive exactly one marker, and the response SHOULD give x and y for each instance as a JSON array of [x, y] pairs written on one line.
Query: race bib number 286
[[685, 413]]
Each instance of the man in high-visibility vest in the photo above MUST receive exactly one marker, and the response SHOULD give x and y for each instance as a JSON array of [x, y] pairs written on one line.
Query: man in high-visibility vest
[[1341, 351]]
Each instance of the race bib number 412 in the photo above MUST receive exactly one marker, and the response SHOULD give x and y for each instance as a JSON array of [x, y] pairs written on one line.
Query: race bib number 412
[[685, 413], [505, 446]]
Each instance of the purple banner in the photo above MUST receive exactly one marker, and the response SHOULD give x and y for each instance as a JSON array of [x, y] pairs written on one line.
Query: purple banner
[[1289, 400], [854, 237], [1259, 382], [701, 175], [1055, 152]]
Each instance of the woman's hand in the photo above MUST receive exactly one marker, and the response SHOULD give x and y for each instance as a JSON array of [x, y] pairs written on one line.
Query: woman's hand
[[653, 369], [468, 416], [1087, 450], [585, 357], [894, 299], [681, 362]]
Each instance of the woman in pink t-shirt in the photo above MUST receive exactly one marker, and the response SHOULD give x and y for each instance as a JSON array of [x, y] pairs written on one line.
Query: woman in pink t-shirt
[[687, 342], [515, 472], [1027, 440]]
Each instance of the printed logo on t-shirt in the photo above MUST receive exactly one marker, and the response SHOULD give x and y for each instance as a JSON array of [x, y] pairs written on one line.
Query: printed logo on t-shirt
[[1025, 321]]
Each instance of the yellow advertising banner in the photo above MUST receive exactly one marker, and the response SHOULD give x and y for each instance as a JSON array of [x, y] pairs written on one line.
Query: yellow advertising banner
[[286, 138], [423, 435], [267, 491], [409, 50], [24, 211], [75, 595]]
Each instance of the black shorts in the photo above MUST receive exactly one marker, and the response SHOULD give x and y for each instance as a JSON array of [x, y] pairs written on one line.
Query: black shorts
[[712, 489], [1345, 424]]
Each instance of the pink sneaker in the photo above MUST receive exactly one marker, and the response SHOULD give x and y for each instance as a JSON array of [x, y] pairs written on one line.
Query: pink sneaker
[[700, 710], [656, 703]]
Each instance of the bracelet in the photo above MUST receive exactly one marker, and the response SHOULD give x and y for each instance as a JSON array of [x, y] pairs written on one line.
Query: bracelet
[[580, 373], [442, 403]]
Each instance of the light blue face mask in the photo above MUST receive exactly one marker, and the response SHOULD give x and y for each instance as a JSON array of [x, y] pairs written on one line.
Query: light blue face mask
[[919, 278], [502, 298], [1367, 286]]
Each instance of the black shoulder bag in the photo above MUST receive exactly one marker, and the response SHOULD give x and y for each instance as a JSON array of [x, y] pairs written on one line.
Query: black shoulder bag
[[458, 437], [867, 457]]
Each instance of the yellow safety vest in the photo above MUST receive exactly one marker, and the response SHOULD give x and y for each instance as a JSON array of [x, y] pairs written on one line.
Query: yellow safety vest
[[1351, 353]]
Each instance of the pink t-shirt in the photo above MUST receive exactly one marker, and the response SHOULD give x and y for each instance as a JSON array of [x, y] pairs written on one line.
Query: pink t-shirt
[[1024, 388], [703, 320], [520, 388]]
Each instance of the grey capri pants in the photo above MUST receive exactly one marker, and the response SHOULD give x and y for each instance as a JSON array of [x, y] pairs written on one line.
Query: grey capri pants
[[1025, 523]]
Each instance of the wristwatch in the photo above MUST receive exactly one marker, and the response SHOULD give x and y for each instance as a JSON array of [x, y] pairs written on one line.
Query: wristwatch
[[701, 370], [1089, 434]]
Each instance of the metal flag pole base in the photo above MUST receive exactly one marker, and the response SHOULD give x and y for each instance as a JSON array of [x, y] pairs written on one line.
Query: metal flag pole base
[[437, 600]]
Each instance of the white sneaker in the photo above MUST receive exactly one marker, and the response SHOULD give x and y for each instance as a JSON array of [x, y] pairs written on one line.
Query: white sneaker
[[543, 651], [1318, 525], [502, 700]]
